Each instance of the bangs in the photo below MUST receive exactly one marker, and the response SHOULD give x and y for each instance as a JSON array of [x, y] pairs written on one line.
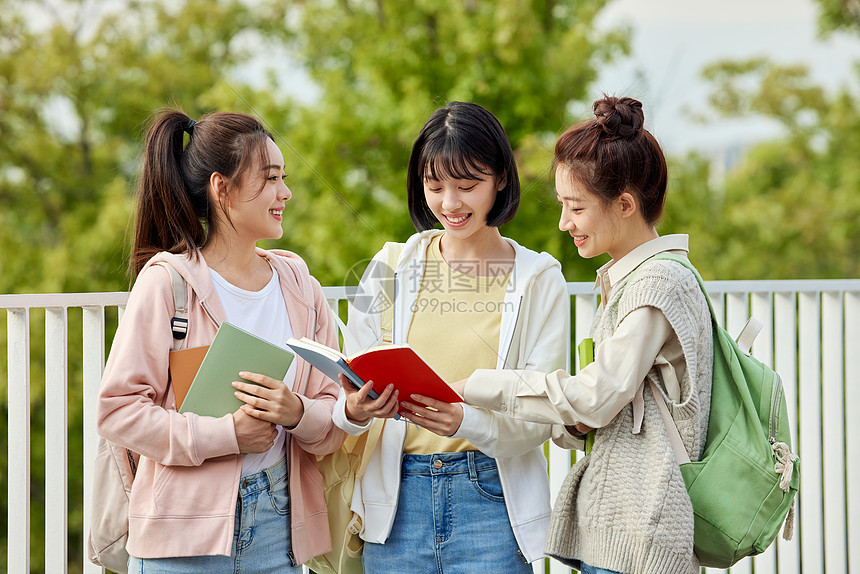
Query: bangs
[[447, 158]]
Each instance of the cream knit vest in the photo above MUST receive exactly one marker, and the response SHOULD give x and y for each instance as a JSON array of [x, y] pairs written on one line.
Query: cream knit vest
[[624, 507]]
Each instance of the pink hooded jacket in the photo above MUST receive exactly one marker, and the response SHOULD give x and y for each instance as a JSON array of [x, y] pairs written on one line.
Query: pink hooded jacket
[[183, 500]]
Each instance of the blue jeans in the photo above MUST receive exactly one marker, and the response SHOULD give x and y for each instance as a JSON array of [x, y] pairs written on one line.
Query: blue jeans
[[261, 536], [586, 569], [451, 518]]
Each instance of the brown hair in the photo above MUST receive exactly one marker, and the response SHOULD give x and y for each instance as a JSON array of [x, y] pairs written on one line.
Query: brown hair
[[613, 153], [174, 211]]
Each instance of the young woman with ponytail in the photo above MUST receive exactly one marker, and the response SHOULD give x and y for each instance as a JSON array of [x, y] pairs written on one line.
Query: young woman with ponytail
[[623, 507], [240, 493]]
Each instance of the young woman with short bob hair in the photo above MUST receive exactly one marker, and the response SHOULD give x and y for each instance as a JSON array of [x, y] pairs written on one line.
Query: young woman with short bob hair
[[463, 489], [471, 144]]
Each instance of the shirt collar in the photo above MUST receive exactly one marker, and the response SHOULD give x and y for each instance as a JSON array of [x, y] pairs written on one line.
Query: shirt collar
[[615, 271]]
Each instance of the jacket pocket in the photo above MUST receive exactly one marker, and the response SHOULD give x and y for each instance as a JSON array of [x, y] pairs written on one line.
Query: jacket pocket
[[195, 491]]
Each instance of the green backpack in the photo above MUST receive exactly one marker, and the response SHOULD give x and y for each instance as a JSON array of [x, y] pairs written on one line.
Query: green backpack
[[744, 486]]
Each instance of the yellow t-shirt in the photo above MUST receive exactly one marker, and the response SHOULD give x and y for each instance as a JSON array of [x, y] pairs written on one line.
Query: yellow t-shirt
[[455, 327]]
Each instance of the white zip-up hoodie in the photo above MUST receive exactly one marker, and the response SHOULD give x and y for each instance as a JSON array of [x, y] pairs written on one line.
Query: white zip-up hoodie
[[532, 337]]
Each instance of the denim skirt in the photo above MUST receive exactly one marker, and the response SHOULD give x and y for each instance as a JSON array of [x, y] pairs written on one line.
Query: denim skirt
[[451, 518]]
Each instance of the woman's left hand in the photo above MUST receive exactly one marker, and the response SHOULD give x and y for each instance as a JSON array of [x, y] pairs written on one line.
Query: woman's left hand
[[436, 416], [270, 398]]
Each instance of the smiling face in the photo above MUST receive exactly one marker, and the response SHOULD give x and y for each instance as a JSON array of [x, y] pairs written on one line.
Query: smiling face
[[461, 205], [256, 209], [596, 228]]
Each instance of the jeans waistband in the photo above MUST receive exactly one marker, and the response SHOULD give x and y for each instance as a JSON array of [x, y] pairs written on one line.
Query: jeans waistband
[[468, 462], [252, 483]]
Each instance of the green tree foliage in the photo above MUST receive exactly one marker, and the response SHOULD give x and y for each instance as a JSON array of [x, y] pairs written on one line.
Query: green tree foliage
[[838, 15], [76, 82], [383, 67], [792, 200], [78, 79], [790, 209]]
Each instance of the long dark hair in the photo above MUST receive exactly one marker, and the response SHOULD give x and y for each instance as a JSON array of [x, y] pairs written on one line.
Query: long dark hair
[[613, 153], [174, 210], [462, 141]]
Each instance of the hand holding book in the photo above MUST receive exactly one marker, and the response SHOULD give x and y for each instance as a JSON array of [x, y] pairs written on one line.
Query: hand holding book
[[360, 407], [436, 416], [396, 365], [253, 435], [269, 399]]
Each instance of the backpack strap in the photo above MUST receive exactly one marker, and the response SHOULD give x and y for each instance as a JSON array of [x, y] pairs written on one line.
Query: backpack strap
[[744, 340], [179, 322], [386, 320], [753, 326], [748, 334], [686, 263], [678, 448], [179, 326], [349, 340]]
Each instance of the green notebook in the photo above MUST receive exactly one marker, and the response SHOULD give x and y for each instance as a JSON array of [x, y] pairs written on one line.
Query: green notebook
[[232, 350], [586, 357]]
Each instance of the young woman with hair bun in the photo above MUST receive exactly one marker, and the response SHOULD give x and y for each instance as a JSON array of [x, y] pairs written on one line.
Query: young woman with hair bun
[[239, 493], [623, 508]]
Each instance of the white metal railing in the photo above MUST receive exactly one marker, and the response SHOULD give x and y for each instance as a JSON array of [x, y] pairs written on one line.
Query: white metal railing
[[811, 335]]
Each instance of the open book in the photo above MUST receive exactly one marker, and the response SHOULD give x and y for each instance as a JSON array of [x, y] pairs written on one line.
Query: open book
[[399, 365]]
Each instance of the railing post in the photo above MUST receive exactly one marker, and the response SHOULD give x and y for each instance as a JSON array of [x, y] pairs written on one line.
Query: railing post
[[809, 423], [737, 313], [852, 425], [18, 444], [785, 363], [833, 431], [56, 439], [560, 460], [93, 365], [761, 307]]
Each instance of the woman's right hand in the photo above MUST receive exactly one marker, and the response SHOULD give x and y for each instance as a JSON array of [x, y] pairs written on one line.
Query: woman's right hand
[[253, 435], [360, 408]]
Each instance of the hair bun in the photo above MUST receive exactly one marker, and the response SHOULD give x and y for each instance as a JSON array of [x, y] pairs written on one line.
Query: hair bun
[[619, 117]]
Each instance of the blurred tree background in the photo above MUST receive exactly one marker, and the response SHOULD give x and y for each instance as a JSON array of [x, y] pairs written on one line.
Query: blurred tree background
[[790, 209], [78, 79]]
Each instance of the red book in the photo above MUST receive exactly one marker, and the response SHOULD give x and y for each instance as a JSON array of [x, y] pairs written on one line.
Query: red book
[[399, 365]]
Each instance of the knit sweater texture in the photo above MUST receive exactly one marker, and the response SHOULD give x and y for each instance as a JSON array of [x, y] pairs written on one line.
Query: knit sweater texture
[[624, 506]]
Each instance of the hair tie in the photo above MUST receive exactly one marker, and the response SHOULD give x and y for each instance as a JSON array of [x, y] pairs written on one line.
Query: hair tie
[[189, 127]]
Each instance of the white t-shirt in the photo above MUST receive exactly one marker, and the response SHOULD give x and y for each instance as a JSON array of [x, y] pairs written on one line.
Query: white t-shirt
[[263, 313]]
